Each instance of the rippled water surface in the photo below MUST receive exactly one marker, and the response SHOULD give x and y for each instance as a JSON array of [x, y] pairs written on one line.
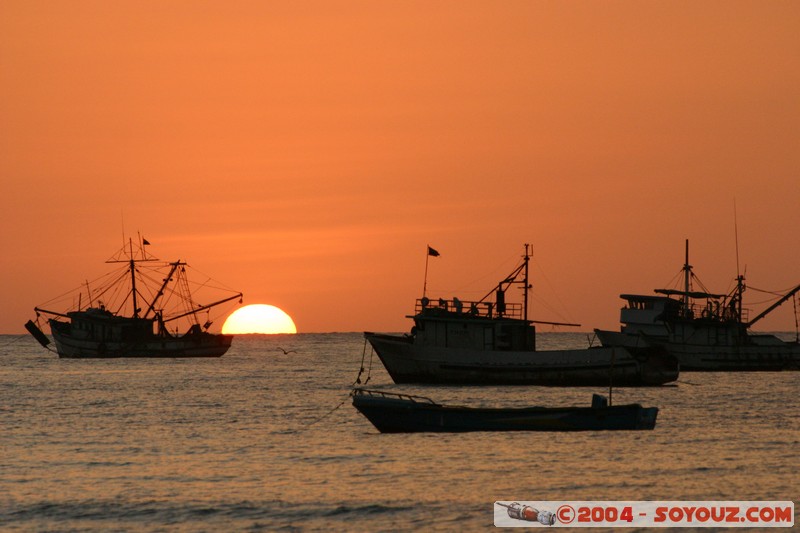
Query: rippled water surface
[[254, 441]]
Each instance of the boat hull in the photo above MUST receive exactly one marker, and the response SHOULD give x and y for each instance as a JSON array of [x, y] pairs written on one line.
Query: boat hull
[[759, 352], [190, 345], [408, 362], [399, 415]]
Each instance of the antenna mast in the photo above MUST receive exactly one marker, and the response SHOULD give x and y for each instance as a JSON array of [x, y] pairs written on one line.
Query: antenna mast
[[526, 285], [736, 236], [133, 281], [739, 276], [687, 274]]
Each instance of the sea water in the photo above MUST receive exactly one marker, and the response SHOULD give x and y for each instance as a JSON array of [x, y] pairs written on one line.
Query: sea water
[[259, 440]]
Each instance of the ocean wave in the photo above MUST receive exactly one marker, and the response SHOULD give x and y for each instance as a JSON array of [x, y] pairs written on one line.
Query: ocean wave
[[114, 513]]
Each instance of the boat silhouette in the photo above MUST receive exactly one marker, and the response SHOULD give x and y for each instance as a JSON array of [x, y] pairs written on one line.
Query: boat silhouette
[[149, 296], [492, 341], [402, 413], [704, 331]]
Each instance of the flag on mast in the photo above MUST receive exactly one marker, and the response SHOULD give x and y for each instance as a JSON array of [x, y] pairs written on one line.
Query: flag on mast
[[431, 253]]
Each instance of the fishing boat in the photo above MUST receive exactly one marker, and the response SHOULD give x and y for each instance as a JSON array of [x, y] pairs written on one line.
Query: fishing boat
[[143, 308], [492, 341], [402, 413], [705, 331]]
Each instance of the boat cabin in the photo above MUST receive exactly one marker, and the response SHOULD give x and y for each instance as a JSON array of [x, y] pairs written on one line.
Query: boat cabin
[[491, 326], [647, 314], [642, 312], [99, 324]]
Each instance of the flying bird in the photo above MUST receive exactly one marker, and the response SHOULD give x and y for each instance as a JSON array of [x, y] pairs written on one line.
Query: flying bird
[[286, 352]]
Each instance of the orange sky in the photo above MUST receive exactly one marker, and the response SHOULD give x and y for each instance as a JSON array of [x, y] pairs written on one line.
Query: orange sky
[[306, 152]]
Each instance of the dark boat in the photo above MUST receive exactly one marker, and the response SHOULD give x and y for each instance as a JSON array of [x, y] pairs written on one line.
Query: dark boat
[[134, 311], [491, 341], [704, 331], [403, 413]]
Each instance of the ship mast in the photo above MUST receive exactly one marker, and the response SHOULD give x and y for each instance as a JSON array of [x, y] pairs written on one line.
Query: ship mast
[[133, 281], [687, 274], [740, 296], [160, 293], [512, 279], [739, 276], [128, 256], [526, 285]]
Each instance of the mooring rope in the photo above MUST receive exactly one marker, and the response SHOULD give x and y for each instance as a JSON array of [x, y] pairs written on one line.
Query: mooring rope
[[349, 394], [24, 337], [18, 339], [361, 370], [369, 371], [323, 417]]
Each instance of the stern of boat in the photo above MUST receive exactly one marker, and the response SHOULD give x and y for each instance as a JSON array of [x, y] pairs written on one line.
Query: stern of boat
[[658, 365]]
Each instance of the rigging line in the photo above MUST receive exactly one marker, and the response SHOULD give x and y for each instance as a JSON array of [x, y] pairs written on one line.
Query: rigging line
[[223, 285], [95, 293], [170, 291], [111, 285], [216, 287], [209, 281], [543, 303], [111, 297], [149, 282], [80, 287], [775, 293], [174, 300], [564, 308], [702, 285], [501, 267], [122, 305], [762, 301], [676, 280], [190, 305], [198, 285]]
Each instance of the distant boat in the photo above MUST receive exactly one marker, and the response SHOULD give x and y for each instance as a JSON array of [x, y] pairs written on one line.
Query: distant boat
[[149, 296], [493, 342], [402, 413], [705, 331]]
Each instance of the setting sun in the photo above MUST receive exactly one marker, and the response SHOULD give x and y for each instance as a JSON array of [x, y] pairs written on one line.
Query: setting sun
[[259, 318]]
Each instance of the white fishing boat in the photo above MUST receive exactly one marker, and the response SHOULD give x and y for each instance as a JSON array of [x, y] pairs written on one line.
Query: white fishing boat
[[705, 331], [134, 311], [491, 341]]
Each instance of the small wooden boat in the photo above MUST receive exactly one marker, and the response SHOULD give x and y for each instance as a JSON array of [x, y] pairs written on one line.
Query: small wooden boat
[[403, 413]]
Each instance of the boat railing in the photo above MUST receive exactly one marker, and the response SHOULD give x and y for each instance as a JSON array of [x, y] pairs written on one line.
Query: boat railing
[[383, 394], [468, 308], [716, 312]]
